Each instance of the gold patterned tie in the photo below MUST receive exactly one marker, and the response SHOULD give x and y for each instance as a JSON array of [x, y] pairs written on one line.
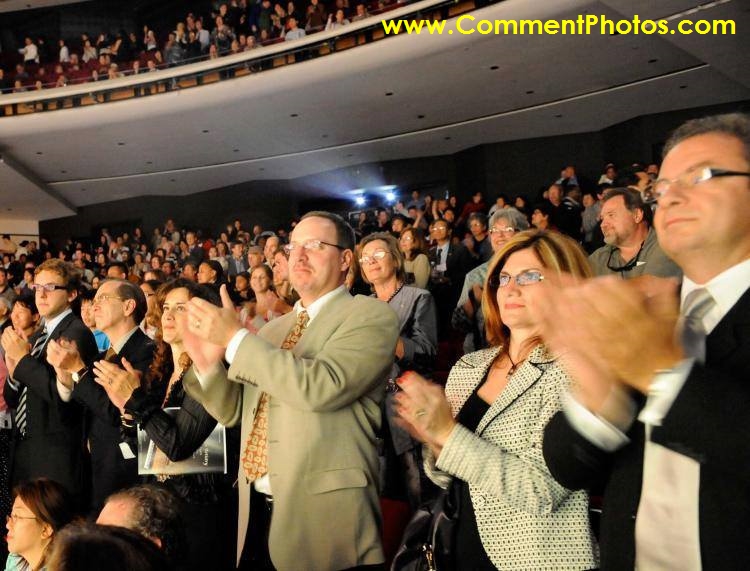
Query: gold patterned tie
[[255, 459]]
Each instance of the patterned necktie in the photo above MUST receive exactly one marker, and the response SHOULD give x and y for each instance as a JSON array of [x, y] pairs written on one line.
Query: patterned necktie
[[36, 350], [698, 304], [255, 459]]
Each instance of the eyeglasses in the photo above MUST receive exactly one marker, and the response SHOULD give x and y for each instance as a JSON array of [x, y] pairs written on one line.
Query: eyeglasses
[[625, 267], [523, 279], [15, 518], [49, 288], [377, 255], [104, 297], [309, 246], [506, 230], [690, 179]]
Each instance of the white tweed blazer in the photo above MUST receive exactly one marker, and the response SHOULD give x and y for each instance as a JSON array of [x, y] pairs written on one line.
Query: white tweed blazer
[[526, 520]]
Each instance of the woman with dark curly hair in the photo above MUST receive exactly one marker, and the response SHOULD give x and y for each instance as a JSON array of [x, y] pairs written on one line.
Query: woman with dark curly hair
[[176, 436]]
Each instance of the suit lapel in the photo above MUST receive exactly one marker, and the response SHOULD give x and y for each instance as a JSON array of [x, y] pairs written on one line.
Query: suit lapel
[[730, 332], [526, 376]]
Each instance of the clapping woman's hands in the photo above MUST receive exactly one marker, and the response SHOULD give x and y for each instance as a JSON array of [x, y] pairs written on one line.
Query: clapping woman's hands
[[424, 411]]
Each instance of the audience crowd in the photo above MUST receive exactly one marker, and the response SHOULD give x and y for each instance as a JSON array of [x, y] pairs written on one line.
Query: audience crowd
[[229, 28], [162, 315]]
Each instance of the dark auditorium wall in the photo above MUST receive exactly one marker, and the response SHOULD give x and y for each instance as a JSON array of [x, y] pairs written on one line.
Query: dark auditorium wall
[[518, 167]]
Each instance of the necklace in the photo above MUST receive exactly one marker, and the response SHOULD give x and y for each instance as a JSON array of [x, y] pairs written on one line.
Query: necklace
[[395, 293], [513, 365]]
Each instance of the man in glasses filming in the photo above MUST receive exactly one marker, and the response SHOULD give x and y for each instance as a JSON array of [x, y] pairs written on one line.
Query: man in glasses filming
[[631, 249]]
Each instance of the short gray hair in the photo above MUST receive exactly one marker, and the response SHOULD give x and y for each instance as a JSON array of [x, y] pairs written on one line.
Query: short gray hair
[[515, 217]]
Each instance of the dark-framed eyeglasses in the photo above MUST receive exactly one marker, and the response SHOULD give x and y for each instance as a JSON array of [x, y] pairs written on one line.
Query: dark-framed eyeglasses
[[625, 267], [308, 246], [376, 256], [526, 278], [689, 179], [49, 288]]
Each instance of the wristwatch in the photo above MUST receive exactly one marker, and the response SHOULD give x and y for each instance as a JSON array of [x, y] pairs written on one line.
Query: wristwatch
[[78, 375]]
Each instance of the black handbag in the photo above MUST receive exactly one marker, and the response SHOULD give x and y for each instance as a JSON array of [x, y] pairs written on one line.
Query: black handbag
[[429, 537]]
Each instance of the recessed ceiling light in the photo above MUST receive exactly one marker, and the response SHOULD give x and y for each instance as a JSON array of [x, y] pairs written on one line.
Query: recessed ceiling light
[[388, 93], [447, 138], [653, 60], [348, 155], [294, 115], [683, 86], [529, 92], [39, 153], [324, 136], [420, 116], [149, 162], [206, 131], [558, 116], [261, 169], [63, 172], [172, 180], [83, 190], [120, 144], [235, 150], [495, 67]]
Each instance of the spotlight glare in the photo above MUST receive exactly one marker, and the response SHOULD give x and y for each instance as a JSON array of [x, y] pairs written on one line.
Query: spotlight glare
[[390, 197], [360, 200]]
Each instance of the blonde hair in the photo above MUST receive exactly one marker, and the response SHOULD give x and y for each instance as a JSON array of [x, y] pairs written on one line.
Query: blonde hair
[[556, 251]]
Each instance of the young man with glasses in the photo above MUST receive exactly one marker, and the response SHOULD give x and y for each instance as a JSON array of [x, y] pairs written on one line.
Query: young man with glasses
[[307, 392], [675, 459], [631, 249], [48, 432], [119, 306]]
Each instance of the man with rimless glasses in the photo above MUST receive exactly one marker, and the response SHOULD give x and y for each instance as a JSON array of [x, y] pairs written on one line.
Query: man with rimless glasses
[[660, 412], [307, 391], [48, 433], [631, 249]]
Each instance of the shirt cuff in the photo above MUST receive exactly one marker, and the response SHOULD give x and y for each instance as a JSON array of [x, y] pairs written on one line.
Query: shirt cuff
[[592, 427], [15, 385], [65, 393], [663, 391], [234, 345]]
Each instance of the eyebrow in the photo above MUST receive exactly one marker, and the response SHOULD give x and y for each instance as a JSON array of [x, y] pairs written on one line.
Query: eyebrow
[[522, 271]]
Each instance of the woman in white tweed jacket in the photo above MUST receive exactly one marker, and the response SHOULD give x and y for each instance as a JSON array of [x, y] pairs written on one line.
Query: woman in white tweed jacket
[[483, 435]]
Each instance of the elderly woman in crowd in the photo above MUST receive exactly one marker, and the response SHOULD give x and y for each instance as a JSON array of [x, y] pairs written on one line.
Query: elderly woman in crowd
[[416, 263], [382, 266], [41, 508], [176, 436], [468, 315], [483, 434]]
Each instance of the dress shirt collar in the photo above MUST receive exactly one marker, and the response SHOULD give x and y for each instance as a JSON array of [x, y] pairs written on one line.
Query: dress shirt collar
[[317, 305], [52, 324], [726, 289], [117, 347]]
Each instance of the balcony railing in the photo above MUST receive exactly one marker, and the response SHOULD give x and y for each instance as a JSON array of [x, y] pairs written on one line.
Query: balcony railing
[[187, 75]]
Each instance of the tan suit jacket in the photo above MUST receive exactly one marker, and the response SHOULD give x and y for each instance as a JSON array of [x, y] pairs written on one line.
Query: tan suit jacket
[[324, 413]]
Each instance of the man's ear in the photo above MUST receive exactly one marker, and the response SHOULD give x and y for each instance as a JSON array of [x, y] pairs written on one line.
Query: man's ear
[[638, 215], [347, 257]]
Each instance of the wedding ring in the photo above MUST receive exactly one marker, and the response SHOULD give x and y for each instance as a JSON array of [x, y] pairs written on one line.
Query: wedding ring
[[420, 412]]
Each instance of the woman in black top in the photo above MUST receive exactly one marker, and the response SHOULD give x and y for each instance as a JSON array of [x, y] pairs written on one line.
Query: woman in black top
[[176, 436]]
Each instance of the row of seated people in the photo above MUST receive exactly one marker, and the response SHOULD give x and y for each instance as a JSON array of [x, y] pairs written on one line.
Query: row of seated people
[[228, 32]]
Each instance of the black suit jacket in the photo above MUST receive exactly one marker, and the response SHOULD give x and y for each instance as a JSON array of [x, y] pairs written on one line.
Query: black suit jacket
[[110, 471], [708, 422], [53, 445]]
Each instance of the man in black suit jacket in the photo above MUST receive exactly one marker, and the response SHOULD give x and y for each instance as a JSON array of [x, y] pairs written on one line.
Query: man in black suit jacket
[[450, 263], [119, 306], [677, 476], [48, 432]]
